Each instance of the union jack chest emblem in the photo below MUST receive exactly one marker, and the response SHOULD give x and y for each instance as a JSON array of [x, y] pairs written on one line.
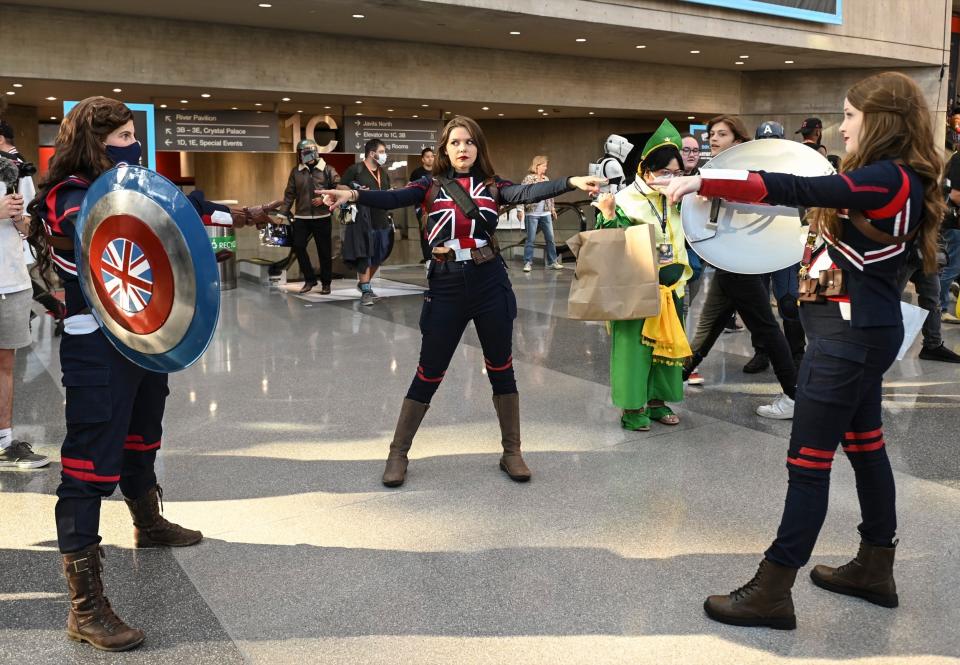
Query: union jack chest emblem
[[127, 275]]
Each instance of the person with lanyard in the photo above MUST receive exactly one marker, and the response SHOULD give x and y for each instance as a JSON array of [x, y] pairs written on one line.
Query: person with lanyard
[[646, 355], [731, 293], [467, 280], [114, 408], [885, 200], [368, 241]]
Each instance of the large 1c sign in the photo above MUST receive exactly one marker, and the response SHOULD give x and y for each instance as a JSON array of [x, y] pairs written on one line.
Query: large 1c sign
[[294, 122]]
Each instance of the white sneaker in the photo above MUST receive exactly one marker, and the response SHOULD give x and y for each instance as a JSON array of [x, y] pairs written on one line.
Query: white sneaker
[[527, 267], [781, 409], [556, 266]]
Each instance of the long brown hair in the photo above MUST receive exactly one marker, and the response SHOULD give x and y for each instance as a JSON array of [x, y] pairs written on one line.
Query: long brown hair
[[896, 125], [79, 150], [483, 163]]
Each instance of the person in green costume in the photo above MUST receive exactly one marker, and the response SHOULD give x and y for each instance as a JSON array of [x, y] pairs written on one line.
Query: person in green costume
[[646, 355]]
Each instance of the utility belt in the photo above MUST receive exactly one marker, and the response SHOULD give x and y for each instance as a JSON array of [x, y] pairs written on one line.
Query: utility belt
[[476, 254]]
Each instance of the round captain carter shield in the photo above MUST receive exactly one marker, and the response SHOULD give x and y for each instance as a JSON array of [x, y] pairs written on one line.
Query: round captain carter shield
[[147, 269]]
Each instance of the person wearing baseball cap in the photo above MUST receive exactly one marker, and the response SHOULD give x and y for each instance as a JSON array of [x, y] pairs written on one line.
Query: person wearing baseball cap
[[812, 131]]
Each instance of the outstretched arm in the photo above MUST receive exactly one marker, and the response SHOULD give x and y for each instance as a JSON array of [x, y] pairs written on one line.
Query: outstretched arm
[[411, 195], [538, 191]]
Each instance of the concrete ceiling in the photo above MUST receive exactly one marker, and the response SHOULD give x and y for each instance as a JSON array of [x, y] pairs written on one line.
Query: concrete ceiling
[[414, 21]]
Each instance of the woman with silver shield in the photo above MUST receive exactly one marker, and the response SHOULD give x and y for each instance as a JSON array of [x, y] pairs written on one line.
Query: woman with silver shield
[[114, 407], [885, 201]]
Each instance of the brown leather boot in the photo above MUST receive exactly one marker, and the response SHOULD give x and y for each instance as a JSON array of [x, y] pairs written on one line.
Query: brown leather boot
[[151, 529], [763, 601], [91, 619], [869, 576], [411, 415], [508, 412]]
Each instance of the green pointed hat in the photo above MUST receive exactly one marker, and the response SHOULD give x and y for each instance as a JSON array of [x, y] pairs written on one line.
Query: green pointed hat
[[666, 134]]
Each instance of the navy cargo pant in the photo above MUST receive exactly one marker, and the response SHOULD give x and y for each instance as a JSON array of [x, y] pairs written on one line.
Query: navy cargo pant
[[114, 411], [460, 292], [838, 402]]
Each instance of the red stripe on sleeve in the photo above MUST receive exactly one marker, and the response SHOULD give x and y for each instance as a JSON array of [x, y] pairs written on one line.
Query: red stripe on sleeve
[[751, 190], [898, 202], [862, 188]]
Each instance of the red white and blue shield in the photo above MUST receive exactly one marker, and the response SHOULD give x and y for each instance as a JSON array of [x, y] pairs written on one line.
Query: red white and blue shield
[[147, 268]]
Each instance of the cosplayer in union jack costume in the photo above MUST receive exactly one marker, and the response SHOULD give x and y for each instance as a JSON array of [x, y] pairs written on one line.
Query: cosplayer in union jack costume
[[467, 280], [114, 408], [884, 205]]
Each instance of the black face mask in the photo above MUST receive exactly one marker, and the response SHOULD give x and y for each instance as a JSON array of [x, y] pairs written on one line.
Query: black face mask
[[126, 155]]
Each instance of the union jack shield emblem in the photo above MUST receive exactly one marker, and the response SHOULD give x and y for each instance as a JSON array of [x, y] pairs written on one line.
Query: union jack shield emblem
[[147, 269], [127, 275]]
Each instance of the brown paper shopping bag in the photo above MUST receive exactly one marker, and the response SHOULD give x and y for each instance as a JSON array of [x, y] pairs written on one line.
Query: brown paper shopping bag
[[616, 277]]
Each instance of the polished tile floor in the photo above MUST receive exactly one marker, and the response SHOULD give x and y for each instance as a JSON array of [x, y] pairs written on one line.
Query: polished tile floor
[[274, 445]]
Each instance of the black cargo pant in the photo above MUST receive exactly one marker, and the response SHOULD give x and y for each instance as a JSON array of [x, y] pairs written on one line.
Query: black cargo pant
[[460, 292], [114, 414], [838, 402]]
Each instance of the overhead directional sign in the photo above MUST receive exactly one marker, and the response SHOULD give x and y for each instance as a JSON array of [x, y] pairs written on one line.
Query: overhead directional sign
[[401, 136], [217, 131]]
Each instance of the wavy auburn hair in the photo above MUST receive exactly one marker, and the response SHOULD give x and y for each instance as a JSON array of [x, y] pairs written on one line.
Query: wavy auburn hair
[[79, 150], [896, 126], [483, 164]]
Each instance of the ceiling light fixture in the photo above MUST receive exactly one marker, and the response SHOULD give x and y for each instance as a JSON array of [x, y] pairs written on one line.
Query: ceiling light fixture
[[326, 107], [690, 117], [788, 62], [233, 108], [257, 104], [738, 62], [17, 85], [163, 106], [53, 117], [358, 102], [118, 90], [482, 108], [425, 105], [11, 92], [590, 113], [539, 110], [695, 52], [359, 16], [359, 114], [415, 115], [299, 110], [514, 32], [265, 5], [285, 99], [184, 101], [500, 114], [388, 110], [205, 95], [641, 46], [51, 99], [744, 57], [580, 39]]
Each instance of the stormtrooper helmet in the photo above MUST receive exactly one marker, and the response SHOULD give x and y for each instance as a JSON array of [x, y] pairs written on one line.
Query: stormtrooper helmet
[[617, 146]]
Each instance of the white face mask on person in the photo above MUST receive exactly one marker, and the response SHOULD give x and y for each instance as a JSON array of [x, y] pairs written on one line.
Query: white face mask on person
[[381, 158]]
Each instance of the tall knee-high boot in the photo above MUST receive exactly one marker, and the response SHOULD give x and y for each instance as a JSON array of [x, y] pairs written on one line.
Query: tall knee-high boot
[[869, 576], [508, 413], [411, 415], [91, 619]]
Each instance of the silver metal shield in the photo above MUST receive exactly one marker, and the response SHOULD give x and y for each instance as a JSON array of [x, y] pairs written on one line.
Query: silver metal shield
[[749, 238]]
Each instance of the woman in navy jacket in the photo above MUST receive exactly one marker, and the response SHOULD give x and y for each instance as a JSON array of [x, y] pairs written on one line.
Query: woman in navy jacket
[[467, 280], [884, 202]]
